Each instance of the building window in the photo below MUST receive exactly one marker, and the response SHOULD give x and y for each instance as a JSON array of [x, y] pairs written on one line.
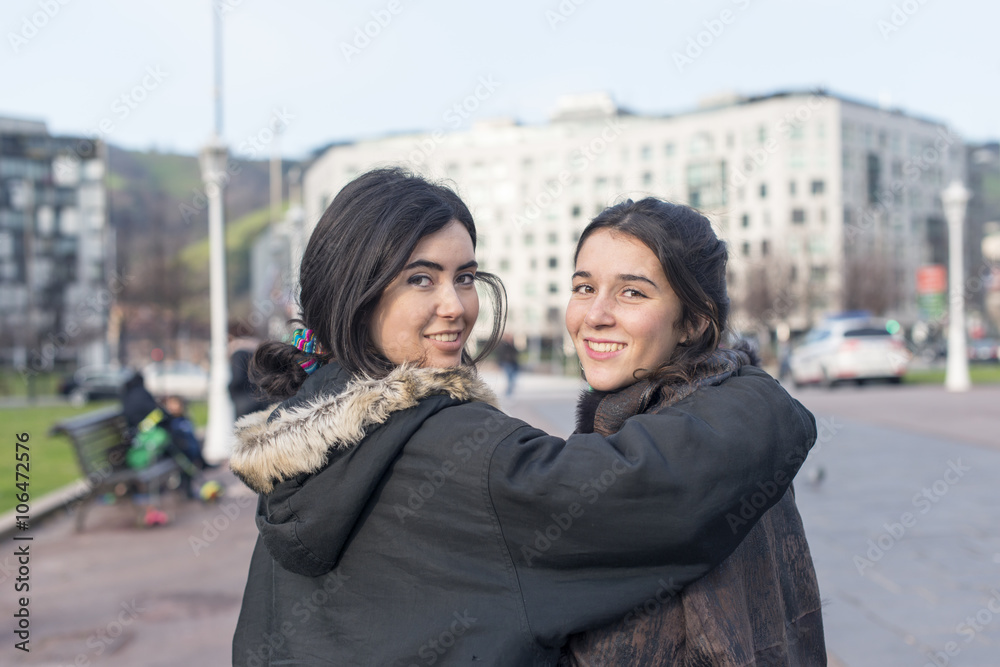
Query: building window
[[576, 211], [553, 238], [763, 190], [798, 215], [745, 220], [874, 172], [529, 239], [762, 134], [529, 289], [669, 149], [505, 265], [764, 247], [793, 274], [746, 249], [647, 179], [791, 188], [647, 152], [553, 262], [817, 187], [701, 143], [533, 264], [822, 215], [553, 288]]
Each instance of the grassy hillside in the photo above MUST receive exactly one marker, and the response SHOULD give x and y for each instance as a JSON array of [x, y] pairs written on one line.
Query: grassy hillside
[[193, 261]]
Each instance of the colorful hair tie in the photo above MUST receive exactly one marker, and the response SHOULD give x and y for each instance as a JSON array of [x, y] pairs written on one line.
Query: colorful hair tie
[[304, 340]]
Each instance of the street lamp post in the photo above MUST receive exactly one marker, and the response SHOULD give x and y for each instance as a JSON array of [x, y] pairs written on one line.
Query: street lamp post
[[213, 159], [954, 199], [218, 436]]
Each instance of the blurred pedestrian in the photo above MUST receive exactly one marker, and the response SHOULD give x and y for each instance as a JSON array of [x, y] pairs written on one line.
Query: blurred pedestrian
[[507, 358], [246, 395], [182, 430]]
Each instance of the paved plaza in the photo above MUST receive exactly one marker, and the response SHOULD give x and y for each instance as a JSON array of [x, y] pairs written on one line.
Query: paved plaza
[[900, 499]]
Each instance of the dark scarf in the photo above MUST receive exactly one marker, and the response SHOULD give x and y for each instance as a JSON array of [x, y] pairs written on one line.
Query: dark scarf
[[605, 412]]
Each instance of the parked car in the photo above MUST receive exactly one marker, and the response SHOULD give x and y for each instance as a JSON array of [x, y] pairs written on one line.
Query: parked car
[[856, 350], [984, 350], [92, 383], [180, 378]]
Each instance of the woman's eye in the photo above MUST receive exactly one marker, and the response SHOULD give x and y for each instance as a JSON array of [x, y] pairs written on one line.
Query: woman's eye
[[632, 293], [582, 288], [466, 279], [420, 281]]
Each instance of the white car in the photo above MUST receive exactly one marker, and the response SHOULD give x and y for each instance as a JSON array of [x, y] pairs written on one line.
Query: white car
[[176, 378], [849, 350]]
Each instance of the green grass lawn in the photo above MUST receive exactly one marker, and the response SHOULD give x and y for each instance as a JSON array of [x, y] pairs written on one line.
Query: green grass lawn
[[53, 462], [978, 373], [14, 384]]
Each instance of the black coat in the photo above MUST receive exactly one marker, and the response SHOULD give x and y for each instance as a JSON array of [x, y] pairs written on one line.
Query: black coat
[[406, 521], [760, 606]]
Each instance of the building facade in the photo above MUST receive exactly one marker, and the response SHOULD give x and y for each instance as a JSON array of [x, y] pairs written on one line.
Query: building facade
[[56, 250], [826, 203]]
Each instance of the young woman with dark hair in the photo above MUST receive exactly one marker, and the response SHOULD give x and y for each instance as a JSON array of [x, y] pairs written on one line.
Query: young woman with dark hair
[[648, 310], [406, 520]]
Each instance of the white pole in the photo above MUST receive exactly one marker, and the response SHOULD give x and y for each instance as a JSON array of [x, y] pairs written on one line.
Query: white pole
[[219, 434], [954, 199]]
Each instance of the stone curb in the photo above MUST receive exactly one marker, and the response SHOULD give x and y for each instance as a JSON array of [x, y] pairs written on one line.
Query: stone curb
[[43, 507]]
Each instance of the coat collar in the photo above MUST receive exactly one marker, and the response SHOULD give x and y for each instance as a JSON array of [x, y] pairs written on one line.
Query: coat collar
[[297, 436], [605, 413]]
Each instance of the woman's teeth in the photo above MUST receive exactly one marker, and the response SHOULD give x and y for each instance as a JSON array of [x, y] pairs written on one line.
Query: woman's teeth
[[605, 347], [444, 338]]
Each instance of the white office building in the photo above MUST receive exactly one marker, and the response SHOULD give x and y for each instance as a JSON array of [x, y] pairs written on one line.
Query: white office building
[[826, 203]]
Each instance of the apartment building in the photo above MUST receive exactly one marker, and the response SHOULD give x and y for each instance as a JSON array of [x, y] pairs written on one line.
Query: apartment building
[[55, 249], [826, 203]]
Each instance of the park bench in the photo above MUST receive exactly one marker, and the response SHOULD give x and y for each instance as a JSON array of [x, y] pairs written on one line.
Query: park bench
[[100, 441]]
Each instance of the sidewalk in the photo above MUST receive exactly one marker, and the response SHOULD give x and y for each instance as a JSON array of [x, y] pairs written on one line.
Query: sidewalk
[[124, 596]]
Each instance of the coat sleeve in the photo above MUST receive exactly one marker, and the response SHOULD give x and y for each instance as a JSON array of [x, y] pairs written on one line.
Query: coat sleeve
[[600, 527]]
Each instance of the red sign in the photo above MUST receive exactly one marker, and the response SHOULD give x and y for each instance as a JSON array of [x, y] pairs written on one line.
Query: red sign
[[932, 279]]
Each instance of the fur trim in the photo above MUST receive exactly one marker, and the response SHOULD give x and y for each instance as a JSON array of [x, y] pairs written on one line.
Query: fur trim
[[298, 440]]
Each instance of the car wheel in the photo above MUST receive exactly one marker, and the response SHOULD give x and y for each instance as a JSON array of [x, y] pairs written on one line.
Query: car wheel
[[827, 382], [78, 398], [896, 380]]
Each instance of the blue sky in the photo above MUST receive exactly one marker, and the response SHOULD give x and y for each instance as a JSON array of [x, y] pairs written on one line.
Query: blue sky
[[139, 73]]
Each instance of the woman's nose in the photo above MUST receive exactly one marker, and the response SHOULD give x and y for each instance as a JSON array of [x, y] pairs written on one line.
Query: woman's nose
[[600, 313], [449, 304]]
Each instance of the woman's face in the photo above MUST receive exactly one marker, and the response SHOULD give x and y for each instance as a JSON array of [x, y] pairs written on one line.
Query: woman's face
[[427, 312], [623, 315]]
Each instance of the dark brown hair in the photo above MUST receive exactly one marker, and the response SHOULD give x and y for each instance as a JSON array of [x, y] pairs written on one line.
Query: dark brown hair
[[359, 246], [694, 261]]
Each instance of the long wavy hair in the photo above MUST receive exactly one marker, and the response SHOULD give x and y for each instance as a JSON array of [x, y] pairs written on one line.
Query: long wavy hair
[[694, 261], [359, 246]]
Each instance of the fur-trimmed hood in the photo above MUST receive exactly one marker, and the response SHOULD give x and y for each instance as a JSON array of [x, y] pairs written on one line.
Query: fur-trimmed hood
[[298, 436]]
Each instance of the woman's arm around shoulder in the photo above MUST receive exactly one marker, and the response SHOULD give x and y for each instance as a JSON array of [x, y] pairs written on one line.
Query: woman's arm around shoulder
[[594, 524]]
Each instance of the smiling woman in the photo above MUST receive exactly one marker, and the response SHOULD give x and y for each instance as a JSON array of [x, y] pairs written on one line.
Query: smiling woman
[[403, 250], [647, 313]]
